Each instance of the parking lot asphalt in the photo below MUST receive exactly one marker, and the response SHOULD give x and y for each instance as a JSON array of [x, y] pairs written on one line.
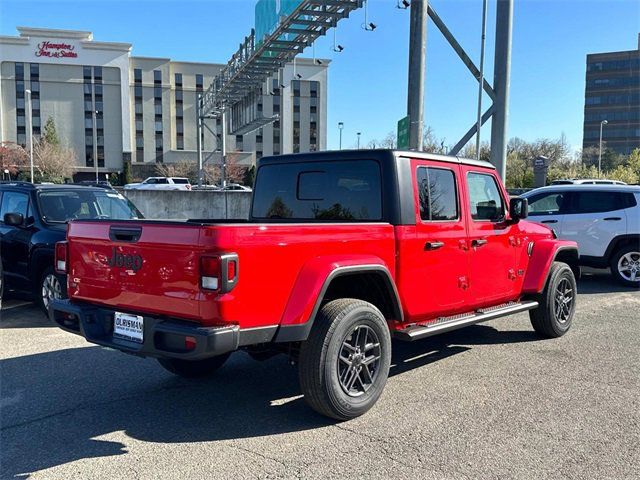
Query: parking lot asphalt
[[489, 401]]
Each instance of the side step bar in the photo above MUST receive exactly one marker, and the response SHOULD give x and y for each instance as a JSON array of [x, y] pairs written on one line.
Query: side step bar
[[446, 324]]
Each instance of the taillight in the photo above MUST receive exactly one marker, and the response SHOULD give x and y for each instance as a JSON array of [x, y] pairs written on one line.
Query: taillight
[[219, 272], [188, 187], [61, 257], [210, 272]]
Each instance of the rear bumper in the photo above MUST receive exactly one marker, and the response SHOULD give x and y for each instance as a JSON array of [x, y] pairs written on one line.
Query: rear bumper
[[162, 337]]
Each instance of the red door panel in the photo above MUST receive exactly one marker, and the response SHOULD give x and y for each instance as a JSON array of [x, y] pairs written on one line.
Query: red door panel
[[433, 254]]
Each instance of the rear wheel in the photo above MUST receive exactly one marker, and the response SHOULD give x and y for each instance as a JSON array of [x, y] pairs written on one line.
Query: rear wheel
[[557, 303], [344, 363], [625, 265], [51, 287], [194, 368]]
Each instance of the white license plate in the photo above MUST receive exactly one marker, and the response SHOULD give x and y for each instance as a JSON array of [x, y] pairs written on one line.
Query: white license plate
[[129, 327]]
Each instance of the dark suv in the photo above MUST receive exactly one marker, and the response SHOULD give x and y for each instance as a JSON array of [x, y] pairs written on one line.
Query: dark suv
[[33, 218]]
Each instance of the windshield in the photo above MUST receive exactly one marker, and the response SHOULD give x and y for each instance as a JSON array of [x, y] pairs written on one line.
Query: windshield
[[60, 206]]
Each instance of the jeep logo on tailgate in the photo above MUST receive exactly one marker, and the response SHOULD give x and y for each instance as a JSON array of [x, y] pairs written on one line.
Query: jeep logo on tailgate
[[122, 260]]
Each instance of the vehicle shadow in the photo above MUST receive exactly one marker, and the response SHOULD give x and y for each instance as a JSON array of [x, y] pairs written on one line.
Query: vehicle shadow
[[600, 281], [62, 406], [21, 314]]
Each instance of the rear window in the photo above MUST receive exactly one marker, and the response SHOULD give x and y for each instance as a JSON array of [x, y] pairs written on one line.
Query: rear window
[[182, 181], [598, 202], [323, 191]]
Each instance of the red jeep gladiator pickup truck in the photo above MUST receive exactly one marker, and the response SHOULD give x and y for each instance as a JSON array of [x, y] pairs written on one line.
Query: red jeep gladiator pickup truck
[[343, 251]]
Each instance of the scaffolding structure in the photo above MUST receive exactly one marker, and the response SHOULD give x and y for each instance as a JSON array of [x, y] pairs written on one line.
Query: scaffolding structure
[[241, 79]]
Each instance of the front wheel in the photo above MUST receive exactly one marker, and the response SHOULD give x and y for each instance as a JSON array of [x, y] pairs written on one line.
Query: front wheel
[[194, 368], [625, 266], [557, 303], [344, 364]]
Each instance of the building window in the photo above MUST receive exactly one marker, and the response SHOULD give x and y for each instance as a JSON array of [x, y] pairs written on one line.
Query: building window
[[21, 138], [137, 75], [199, 82], [137, 91], [86, 74], [97, 74], [157, 105], [179, 112], [34, 85], [239, 143]]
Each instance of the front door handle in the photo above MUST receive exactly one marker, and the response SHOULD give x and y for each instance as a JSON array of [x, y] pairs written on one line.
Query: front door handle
[[478, 242], [549, 221], [612, 219], [433, 245]]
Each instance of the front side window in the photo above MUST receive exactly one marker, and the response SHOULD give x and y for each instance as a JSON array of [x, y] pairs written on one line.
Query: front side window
[[14, 202], [546, 204], [437, 194], [323, 191], [485, 201]]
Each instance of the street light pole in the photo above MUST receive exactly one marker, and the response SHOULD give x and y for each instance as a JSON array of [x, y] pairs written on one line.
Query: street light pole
[[359, 140], [95, 143], [28, 93], [602, 123], [340, 127]]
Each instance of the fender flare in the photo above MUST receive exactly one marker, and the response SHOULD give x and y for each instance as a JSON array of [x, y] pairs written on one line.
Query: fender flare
[[544, 253], [305, 299]]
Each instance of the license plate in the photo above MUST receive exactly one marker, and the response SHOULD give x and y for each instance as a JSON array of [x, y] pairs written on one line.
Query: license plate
[[129, 327]]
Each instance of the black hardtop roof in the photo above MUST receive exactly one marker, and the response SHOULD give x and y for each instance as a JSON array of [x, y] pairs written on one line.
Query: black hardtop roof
[[379, 154], [46, 186]]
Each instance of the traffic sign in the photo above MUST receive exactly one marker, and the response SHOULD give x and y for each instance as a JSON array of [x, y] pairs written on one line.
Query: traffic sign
[[403, 133]]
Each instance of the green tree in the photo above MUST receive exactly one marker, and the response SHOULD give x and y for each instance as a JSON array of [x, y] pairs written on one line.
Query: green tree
[[127, 176], [249, 176], [633, 162], [49, 133]]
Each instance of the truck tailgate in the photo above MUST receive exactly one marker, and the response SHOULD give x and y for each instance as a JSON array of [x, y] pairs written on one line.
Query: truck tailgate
[[150, 267]]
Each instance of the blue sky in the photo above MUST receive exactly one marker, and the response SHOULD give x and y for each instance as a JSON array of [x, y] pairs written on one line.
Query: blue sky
[[367, 81]]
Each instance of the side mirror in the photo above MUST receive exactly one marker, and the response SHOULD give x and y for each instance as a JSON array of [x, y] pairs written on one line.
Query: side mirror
[[14, 219], [518, 208]]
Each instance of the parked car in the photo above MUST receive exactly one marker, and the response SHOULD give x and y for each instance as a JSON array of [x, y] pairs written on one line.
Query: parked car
[[93, 183], [342, 251], [33, 218], [587, 181], [160, 183], [604, 220], [235, 187]]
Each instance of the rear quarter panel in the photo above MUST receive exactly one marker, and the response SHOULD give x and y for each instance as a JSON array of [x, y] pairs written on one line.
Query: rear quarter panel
[[275, 258]]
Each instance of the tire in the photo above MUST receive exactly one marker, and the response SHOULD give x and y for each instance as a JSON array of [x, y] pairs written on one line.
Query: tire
[[194, 368], [337, 377], [50, 286], [625, 266], [557, 303]]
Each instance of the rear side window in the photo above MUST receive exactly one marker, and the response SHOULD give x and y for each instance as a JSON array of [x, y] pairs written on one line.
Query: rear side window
[[597, 202], [485, 201], [546, 204], [323, 191], [437, 194], [14, 202], [181, 181]]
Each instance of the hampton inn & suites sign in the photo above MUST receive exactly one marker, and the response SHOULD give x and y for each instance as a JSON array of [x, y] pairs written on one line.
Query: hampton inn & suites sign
[[55, 50]]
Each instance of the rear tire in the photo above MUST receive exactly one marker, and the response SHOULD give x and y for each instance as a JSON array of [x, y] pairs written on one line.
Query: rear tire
[[51, 286], [625, 266], [194, 368], [557, 303], [344, 364]]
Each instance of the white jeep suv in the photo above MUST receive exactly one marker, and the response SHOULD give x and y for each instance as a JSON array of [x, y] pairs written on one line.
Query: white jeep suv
[[603, 219]]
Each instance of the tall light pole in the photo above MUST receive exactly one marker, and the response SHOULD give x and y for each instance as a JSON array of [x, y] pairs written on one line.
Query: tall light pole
[[340, 127], [359, 140], [602, 123], [28, 93], [95, 143]]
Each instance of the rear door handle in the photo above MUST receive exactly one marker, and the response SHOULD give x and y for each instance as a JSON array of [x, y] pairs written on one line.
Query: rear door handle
[[549, 221], [478, 242], [433, 245], [612, 219]]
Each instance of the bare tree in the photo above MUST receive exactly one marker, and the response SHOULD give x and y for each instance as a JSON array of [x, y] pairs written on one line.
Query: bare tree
[[12, 157], [53, 163]]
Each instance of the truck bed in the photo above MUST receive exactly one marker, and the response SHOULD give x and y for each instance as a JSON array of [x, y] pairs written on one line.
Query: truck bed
[[167, 282]]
